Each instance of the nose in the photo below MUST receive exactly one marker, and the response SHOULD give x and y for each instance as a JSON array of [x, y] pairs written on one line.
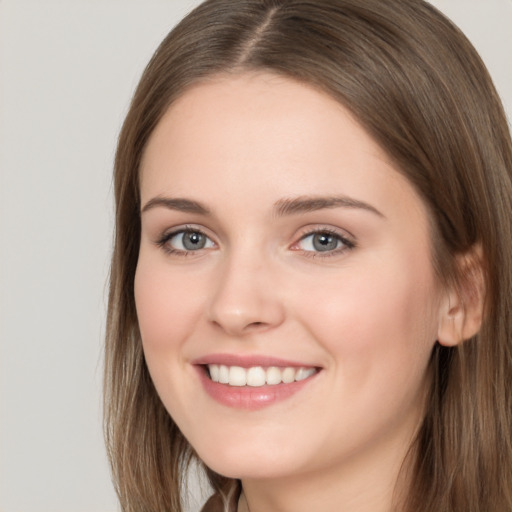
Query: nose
[[246, 299]]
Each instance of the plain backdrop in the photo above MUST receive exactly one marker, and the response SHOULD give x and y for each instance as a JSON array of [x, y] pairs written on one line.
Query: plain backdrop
[[67, 71]]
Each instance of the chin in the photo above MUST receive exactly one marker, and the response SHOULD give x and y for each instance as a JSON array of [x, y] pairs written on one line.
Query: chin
[[252, 460], [247, 470]]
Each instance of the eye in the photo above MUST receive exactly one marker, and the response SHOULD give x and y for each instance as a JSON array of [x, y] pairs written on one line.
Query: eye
[[186, 240], [324, 241]]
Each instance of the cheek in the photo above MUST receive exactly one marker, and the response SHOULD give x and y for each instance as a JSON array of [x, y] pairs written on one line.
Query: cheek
[[167, 306], [377, 322], [379, 332]]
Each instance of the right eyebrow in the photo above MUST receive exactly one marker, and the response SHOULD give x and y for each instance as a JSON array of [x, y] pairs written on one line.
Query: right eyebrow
[[176, 203]]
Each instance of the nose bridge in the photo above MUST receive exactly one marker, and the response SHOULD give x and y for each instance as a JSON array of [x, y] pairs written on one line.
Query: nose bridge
[[244, 299]]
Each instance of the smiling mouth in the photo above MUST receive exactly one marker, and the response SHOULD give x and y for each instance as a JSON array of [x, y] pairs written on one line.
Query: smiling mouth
[[257, 376]]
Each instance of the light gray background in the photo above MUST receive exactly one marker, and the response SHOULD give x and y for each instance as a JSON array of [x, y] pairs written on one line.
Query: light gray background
[[67, 71]]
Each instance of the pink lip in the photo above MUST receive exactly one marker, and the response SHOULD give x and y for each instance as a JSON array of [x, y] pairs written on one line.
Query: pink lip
[[247, 397], [248, 361]]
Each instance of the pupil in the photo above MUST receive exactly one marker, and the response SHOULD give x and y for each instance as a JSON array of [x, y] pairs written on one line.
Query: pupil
[[324, 242], [193, 240]]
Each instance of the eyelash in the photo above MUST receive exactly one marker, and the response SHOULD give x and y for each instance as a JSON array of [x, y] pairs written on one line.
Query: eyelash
[[163, 242], [347, 244]]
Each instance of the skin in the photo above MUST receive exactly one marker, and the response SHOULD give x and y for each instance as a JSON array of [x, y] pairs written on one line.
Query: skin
[[367, 315]]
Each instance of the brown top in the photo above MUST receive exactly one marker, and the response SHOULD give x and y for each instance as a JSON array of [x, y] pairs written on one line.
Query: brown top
[[216, 504]]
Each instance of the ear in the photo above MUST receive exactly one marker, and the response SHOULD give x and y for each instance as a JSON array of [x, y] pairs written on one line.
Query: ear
[[462, 306]]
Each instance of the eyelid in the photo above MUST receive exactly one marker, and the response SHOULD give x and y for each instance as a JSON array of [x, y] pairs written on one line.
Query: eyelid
[[170, 233], [347, 239]]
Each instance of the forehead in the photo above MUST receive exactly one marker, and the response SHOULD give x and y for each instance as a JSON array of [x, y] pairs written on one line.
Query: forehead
[[259, 135], [257, 110]]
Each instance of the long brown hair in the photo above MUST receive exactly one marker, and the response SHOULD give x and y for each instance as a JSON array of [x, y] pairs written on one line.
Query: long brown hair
[[418, 87]]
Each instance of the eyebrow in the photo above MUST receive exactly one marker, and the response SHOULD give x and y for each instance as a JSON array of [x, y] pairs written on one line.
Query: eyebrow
[[283, 207], [306, 204], [179, 204]]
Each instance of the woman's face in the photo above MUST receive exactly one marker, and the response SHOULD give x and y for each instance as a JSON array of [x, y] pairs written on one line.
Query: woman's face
[[281, 246]]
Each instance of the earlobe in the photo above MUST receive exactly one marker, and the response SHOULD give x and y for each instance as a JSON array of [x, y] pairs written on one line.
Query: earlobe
[[462, 307]]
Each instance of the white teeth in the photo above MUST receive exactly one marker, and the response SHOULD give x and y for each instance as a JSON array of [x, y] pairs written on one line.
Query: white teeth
[[237, 376], [304, 373], [289, 375], [214, 372], [223, 374], [257, 376], [274, 375]]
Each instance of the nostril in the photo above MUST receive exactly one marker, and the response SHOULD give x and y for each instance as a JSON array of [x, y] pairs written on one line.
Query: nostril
[[255, 327]]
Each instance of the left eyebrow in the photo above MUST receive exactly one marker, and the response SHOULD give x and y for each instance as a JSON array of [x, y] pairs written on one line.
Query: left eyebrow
[[304, 204]]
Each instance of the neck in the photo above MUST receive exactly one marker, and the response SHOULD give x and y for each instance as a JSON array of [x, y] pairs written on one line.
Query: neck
[[368, 484]]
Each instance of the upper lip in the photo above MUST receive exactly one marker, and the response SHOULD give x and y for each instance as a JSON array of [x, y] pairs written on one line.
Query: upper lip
[[247, 361]]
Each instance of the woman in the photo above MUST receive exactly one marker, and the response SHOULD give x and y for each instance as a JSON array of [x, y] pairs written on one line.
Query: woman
[[311, 275]]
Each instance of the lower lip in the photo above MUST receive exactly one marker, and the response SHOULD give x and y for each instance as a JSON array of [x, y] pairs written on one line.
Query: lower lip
[[248, 397]]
